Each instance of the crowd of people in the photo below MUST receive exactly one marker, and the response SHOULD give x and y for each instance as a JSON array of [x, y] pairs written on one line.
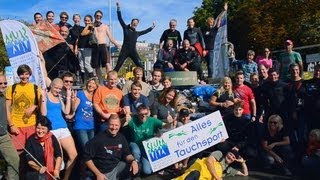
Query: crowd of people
[[270, 112]]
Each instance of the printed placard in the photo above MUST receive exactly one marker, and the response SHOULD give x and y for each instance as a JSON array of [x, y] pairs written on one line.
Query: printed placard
[[185, 141]]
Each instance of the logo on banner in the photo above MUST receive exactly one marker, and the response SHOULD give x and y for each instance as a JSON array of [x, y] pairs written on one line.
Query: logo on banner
[[157, 149], [17, 42]]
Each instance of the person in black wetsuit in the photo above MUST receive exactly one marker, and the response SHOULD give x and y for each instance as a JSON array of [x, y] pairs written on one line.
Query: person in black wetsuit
[[130, 39]]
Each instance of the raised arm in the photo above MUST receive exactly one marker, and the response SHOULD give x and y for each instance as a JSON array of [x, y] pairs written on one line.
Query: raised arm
[[123, 24]]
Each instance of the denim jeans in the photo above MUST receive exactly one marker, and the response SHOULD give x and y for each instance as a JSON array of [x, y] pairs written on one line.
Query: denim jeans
[[11, 156], [83, 136], [142, 158], [115, 173]]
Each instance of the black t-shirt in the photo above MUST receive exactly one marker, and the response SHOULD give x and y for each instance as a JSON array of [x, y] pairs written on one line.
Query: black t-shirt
[[175, 36], [75, 32], [277, 137], [106, 151], [223, 98], [209, 35]]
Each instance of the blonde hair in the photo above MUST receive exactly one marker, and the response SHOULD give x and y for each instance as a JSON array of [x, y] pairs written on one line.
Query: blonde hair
[[277, 118], [222, 90], [56, 81], [316, 132]]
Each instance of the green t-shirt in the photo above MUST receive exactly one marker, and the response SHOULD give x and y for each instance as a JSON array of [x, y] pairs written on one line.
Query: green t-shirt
[[286, 59], [226, 169], [143, 131]]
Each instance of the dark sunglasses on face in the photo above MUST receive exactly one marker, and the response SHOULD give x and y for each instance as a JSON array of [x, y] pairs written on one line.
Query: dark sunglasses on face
[[67, 81], [64, 17], [5, 83], [273, 122]]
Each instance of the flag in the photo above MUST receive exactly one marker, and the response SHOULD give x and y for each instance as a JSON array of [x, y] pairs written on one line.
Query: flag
[[22, 48], [56, 52], [220, 59], [46, 35]]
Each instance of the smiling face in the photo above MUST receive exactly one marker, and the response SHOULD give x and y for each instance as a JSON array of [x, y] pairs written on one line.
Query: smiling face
[[67, 82], [170, 96], [143, 114], [156, 77], [56, 89], [295, 71], [98, 17], [76, 19], [190, 23], [263, 71], [91, 85], [112, 81], [227, 85], [41, 131], [230, 158], [114, 126], [50, 18], [239, 79], [166, 83], [135, 91], [3, 84], [134, 23], [24, 77]]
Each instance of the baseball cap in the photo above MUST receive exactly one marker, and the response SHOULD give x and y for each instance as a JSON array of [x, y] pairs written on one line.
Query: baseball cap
[[288, 41], [184, 112]]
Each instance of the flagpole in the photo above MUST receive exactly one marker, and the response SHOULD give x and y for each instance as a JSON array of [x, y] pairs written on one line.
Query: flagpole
[[111, 31]]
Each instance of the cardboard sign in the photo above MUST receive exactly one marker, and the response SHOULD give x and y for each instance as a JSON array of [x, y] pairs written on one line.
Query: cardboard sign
[[185, 141]]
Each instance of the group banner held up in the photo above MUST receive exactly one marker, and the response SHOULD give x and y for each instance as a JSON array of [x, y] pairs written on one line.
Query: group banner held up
[[185, 141], [22, 48]]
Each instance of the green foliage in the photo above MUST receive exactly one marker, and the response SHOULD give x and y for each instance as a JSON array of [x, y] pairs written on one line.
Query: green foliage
[[4, 61], [255, 24]]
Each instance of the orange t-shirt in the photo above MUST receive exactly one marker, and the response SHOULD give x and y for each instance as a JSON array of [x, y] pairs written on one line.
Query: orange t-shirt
[[108, 99]]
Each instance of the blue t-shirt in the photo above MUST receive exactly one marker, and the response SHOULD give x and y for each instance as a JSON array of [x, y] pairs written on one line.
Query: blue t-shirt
[[54, 114], [134, 104], [84, 113]]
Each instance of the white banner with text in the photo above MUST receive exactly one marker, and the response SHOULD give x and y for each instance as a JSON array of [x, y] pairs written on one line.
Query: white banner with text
[[185, 141]]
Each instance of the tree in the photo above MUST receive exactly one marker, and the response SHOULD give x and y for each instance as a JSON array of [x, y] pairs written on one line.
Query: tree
[[255, 24]]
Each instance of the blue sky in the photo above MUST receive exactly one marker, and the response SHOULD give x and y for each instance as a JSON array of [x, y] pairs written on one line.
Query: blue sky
[[160, 11]]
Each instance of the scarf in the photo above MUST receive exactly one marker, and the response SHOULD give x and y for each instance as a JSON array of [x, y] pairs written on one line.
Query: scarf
[[97, 23], [48, 152]]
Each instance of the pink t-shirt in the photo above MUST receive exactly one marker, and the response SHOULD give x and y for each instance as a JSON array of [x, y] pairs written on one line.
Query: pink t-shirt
[[264, 61]]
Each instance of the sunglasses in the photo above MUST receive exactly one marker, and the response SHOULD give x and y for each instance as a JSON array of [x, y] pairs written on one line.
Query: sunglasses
[[4, 83], [67, 81], [143, 114], [64, 17], [273, 122]]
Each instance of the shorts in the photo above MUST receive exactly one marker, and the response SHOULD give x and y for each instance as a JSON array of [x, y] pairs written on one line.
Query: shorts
[[19, 141], [61, 133], [100, 56]]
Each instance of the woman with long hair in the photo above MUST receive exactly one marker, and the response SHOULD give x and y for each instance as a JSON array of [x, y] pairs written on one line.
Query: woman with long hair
[[223, 99], [52, 107], [165, 109], [84, 120]]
